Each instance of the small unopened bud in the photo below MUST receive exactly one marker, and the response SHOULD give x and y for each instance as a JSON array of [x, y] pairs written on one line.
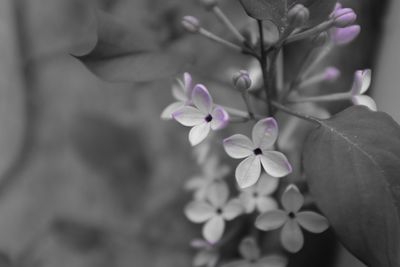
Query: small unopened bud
[[344, 17], [343, 36], [298, 16], [209, 4], [242, 80], [191, 24], [321, 39], [331, 74]]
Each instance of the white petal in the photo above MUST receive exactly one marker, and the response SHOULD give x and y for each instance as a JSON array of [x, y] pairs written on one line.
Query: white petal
[[178, 91], [202, 99], [195, 183], [271, 220], [265, 133], [188, 116], [248, 201], [220, 118], [218, 194], [249, 249], [362, 81], [248, 171], [312, 221], [267, 184], [292, 199], [198, 133], [291, 236], [265, 204], [188, 84], [232, 209], [170, 109], [275, 164], [364, 100], [199, 211], [214, 229], [238, 146], [204, 258]]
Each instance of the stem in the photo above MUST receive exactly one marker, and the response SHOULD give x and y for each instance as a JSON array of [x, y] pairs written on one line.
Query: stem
[[296, 114], [311, 66], [224, 19], [219, 40], [240, 113], [310, 32], [246, 99], [280, 72], [324, 98]]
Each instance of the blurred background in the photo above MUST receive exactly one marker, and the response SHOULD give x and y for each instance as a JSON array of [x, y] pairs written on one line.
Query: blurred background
[[89, 174]]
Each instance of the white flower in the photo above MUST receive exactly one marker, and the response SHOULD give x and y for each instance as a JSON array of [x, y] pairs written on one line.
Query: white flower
[[207, 255], [182, 92], [291, 219], [257, 152], [257, 197], [362, 82], [214, 211], [203, 116]]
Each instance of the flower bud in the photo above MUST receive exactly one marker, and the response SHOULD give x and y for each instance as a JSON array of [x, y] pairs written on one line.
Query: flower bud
[[298, 16], [242, 80], [344, 17], [321, 39], [191, 24], [343, 36], [209, 4], [331, 74]]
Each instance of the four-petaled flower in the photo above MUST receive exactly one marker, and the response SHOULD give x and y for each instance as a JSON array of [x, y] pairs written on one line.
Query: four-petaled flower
[[207, 255], [257, 152], [203, 116], [214, 211], [251, 254], [290, 218], [257, 197], [362, 82], [182, 92]]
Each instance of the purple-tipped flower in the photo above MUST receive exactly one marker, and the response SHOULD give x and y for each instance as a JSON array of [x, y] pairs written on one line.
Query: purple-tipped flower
[[191, 24], [343, 17], [203, 116], [331, 74], [298, 15], [257, 152], [242, 80], [362, 82], [343, 36]]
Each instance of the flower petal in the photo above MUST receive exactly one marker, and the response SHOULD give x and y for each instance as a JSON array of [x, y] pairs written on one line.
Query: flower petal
[[178, 91], [195, 183], [202, 99], [188, 85], [265, 204], [220, 118], [292, 199], [238, 146], [199, 211], [271, 220], [238, 263], [266, 185], [265, 133], [248, 201], [272, 261], [364, 100], [205, 258], [362, 81], [312, 221], [214, 229], [198, 133], [188, 116], [249, 250], [166, 114], [248, 171], [218, 194], [291, 236], [276, 164], [232, 209]]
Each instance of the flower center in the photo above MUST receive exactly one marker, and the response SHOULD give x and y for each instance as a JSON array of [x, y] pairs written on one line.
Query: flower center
[[255, 194], [291, 215], [257, 151], [208, 118], [219, 211]]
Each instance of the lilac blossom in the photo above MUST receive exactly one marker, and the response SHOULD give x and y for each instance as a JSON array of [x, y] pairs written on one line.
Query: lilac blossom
[[207, 255], [257, 152], [362, 82]]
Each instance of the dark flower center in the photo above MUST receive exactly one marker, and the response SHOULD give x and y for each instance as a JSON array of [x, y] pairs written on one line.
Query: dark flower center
[[219, 211], [257, 151], [208, 118], [291, 215], [255, 194]]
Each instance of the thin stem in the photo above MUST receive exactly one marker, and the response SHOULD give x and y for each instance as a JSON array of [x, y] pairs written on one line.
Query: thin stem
[[225, 20], [295, 113], [310, 32], [246, 99], [280, 71], [240, 113], [219, 40], [312, 65], [323, 98]]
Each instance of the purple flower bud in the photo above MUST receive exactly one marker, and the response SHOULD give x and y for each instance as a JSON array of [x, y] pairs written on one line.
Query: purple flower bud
[[209, 4], [191, 24], [298, 15], [343, 36], [343, 17], [331, 74], [242, 80]]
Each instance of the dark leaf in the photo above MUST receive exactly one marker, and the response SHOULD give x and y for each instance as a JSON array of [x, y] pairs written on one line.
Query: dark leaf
[[273, 10], [352, 162]]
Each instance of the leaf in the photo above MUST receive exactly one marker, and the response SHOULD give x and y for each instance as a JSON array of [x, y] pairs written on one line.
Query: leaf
[[129, 54], [352, 163], [273, 10]]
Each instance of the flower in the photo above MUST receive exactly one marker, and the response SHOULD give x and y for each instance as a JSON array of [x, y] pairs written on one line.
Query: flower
[[291, 219], [214, 211], [182, 91], [343, 36], [251, 254], [362, 82], [344, 31], [343, 17], [207, 254], [203, 116], [257, 197], [212, 171], [256, 153]]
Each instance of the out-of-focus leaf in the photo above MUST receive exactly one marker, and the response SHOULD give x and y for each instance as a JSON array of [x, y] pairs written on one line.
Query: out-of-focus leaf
[[319, 9], [273, 10], [352, 162]]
